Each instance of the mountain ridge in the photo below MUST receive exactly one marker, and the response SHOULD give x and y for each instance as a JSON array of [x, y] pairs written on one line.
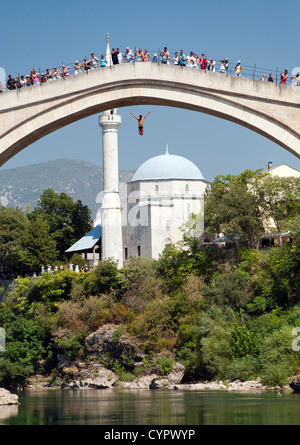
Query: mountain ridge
[[22, 186]]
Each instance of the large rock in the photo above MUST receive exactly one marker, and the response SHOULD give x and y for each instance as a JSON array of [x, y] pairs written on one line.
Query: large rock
[[95, 376], [143, 382], [249, 385], [155, 381], [6, 398], [109, 342], [237, 385], [169, 381], [295, 383], [218, 385]]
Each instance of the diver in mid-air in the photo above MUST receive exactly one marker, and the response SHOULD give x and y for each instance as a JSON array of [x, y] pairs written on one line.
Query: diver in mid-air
[[140, 120]]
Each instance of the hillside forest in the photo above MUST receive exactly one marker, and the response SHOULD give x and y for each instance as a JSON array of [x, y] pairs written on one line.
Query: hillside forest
[[225, 313]]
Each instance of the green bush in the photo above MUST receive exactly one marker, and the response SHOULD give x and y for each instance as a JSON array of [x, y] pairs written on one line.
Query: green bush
[[176, 264], [278, 359], [13, 375], [274, 375], [72, 344], [243, 341], [26, 342], [228, 290], [215, 329], [163, 365], [243, 368], [154, 326], [103, 279]]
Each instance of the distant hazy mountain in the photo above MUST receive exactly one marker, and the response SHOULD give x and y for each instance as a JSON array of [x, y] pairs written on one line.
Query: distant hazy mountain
[[23, 186]]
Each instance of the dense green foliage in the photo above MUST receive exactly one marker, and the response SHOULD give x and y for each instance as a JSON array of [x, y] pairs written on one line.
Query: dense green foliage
[[229, 317], [242, 207], [223, 313], [67, 220], [31, 238]]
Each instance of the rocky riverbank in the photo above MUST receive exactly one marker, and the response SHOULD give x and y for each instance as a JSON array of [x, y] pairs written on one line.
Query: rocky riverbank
[[115, 360], [106, 379]]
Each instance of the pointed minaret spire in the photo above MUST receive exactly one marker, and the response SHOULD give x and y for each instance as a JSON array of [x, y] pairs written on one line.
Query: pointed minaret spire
[[167, 150], [108, 58]]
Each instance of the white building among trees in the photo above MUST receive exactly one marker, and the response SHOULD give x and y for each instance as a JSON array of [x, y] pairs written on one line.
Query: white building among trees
[[159, 200]]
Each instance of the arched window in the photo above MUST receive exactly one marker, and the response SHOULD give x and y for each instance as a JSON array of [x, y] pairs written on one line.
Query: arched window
[[187, 188], [168, 225], [156, 188]]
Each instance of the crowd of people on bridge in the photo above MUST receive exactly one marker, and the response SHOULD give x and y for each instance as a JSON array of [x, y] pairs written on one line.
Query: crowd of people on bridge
[[191, 60]]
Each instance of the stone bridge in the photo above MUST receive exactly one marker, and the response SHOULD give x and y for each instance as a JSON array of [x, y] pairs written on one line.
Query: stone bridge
[[28, 114]]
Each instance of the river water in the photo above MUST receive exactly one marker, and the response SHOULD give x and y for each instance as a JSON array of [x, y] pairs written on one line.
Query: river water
[[148, 407]]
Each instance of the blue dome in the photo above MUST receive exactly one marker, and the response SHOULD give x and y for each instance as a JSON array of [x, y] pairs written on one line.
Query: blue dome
[[167, 167]]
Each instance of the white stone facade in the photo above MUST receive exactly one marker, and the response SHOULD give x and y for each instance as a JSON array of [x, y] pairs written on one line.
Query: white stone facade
[[161, 197], [156, 209]]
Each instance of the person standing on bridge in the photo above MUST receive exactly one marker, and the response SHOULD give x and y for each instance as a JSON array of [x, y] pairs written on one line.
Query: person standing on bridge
[[224, 66], [114, 57], [93, 62], [238, 68], [203, 63], [146, 56], [211, 65], [120, 55], [165, 56], [128, 56], [139, 55], [56, 73], [102, 61], [140, 120], [182, 58], [296, 80], [176, 59], [35, 77], [11, 83], [284, 77], [65, 71], [86, 65], [77, 67]]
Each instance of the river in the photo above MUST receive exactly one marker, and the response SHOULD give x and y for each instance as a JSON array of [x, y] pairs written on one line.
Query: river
[[146, 407]]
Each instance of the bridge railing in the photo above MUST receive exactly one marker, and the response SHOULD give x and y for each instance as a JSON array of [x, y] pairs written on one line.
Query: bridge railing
[[249, 71]]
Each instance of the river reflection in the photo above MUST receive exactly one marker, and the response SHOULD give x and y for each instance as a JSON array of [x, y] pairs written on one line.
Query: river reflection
[[161, 407]]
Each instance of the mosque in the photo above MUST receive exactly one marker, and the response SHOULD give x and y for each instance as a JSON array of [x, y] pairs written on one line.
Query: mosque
[[158, 201]]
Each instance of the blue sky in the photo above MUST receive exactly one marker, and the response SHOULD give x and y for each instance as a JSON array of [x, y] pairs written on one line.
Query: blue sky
[[46, 34]]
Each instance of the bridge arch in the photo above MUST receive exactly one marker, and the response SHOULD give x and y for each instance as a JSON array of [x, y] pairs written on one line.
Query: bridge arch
[[33, 112]]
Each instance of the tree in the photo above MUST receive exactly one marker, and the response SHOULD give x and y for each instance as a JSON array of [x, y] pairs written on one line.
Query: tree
[[67, 220], [40, 247], [280, 200], [231, 208], [14, 227]]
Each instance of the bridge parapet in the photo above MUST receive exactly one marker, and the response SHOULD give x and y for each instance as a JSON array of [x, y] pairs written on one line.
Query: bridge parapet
[[30, 113]]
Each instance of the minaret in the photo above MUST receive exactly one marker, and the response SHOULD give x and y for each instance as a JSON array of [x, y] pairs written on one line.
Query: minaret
[[112, 245], [108, 58]]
